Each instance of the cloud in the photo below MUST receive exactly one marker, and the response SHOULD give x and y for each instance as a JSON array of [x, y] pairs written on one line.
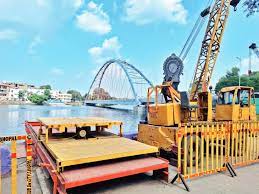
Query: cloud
[[78, 3], [37, 15], [109, 49], [94, 19], [34, 43], [57, 71], [148, 11], [8, 34]]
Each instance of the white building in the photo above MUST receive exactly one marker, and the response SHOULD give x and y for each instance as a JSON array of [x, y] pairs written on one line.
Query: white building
[[3, 91], [13, 94], [54, 94], [10, 91], [64, 97]]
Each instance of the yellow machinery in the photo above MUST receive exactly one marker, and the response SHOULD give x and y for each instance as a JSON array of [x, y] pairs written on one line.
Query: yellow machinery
[[172, 107], [236, 104]]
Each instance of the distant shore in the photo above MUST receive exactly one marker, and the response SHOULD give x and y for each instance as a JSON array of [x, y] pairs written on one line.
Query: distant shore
[[30, 103], [15, 103]]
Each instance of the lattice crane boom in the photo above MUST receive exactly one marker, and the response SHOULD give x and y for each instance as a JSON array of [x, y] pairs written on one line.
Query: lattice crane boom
[[211, 46]]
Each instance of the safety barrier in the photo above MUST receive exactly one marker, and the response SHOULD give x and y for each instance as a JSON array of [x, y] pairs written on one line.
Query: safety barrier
[[13, 140], [206, 148], [244, 143]]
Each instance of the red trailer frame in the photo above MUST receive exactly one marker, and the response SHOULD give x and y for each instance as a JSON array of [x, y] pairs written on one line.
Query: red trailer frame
[[88, 175]]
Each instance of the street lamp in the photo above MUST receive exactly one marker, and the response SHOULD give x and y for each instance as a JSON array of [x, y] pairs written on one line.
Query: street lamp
[[240, 62]]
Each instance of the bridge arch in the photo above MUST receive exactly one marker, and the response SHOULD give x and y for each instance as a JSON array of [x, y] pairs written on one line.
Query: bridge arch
[[134, 77]]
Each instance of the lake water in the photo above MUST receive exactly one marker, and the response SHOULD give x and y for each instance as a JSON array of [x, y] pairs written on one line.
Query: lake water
[[12, 117]]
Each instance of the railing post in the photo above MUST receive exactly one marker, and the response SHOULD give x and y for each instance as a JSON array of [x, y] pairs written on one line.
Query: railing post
[[14, 168], [29, 164], [179, 176], [227, 164]]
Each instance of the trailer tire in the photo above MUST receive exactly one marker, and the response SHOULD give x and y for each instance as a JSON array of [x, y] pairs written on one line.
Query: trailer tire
[[82, 132]]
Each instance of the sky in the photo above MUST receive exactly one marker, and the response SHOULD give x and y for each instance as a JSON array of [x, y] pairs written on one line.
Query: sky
[[64, 42]]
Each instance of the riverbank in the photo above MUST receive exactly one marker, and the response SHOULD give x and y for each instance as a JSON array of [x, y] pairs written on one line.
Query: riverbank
[[15, 103], [30, 103]]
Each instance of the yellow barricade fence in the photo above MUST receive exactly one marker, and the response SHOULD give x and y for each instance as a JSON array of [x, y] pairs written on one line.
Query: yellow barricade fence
[[244, 143], [203, 149], [13, 140]]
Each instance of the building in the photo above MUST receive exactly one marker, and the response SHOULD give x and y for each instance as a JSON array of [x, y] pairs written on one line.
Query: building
[[22, 86], [54, 94], [13, 94], [3, 91], [64, 97], [12, 91]]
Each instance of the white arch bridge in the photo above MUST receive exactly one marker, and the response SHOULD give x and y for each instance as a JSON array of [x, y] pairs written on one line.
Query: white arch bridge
[[118, 83]]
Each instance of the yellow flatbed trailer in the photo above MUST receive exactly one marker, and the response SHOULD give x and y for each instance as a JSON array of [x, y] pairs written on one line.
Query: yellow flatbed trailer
[[72, 161], [101, 146]]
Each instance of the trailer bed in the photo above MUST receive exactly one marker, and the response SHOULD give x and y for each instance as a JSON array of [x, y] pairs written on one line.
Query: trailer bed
[[75, 152], [114, 159]]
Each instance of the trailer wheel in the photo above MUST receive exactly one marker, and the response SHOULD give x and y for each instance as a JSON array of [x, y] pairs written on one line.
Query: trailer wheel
[[82, 132]]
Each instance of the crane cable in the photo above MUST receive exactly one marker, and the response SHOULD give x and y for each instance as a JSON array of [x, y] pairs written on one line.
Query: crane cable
[[199, 27], [195, 31]]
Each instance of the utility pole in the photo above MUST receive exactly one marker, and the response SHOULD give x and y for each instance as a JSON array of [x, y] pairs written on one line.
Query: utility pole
[[239, 75]]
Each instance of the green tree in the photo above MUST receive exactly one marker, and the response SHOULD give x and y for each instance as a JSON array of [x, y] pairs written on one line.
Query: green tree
[[21, 95], [76, 96], [232, 79], [47, 94], [46, 87], [37, 99], [251, 7]]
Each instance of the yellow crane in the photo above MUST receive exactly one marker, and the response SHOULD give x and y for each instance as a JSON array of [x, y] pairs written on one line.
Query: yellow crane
[[210, 46], [172, 107]]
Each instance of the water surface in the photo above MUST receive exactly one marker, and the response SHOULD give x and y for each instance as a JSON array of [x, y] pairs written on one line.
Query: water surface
[[12, 117]]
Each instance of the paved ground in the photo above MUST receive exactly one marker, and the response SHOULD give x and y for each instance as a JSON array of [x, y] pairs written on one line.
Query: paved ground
[[247, 182], [21, 180]]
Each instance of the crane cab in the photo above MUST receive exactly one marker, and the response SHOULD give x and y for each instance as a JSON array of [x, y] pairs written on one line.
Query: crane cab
[[236, 103]]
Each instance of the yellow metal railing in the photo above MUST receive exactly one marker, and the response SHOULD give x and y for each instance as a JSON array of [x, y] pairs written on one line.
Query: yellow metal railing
[[13, 140], [210, 147], [244, 143], [203, 149]]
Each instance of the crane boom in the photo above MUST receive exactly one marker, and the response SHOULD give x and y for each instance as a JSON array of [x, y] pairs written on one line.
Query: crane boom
[[210, 46]]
